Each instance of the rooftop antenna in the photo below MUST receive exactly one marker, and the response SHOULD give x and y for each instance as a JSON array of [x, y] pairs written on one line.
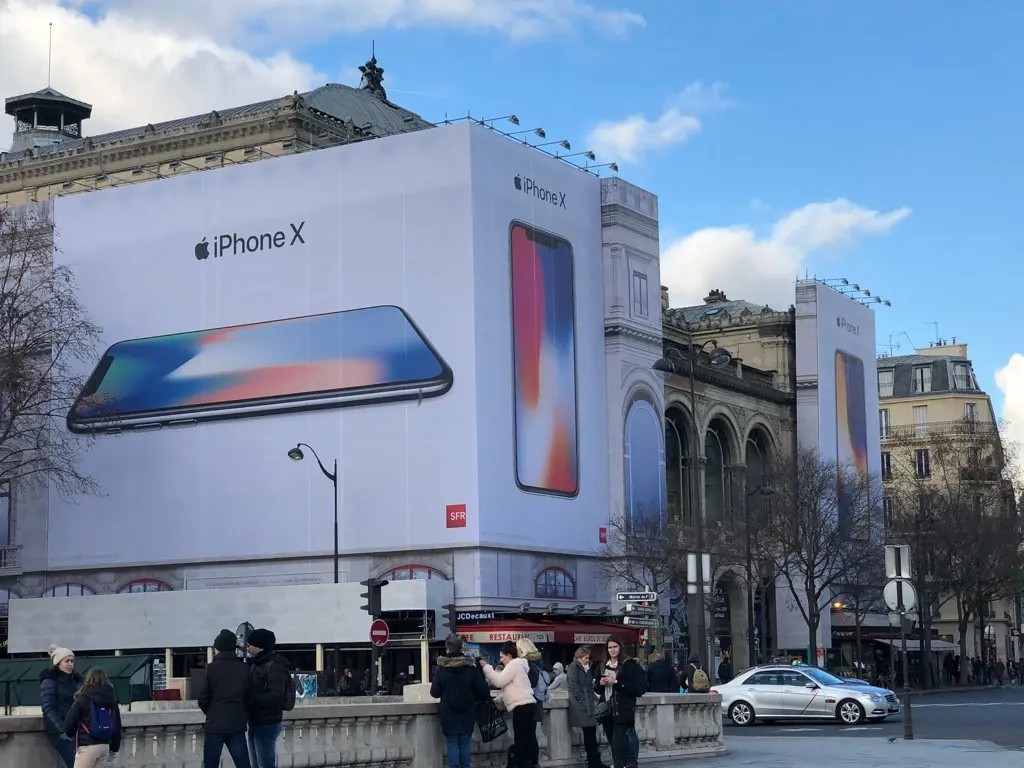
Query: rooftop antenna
[[373, 49], [936, 329], [49, 57], [892, 346]]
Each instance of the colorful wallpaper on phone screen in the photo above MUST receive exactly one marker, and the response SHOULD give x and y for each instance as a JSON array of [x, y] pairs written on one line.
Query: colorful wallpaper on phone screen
[[332, 353], [851, 421], [544, 343]]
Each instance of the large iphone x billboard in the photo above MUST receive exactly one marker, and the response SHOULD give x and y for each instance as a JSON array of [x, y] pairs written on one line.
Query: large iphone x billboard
[[837, 392], [425, 310]]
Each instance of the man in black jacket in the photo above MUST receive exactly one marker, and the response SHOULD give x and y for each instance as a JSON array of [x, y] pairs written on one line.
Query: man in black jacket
[[459, 684], [265, 701], [661, 678], [223, 703]]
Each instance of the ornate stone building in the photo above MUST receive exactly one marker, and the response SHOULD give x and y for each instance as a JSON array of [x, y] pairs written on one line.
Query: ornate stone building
[[745, 415]]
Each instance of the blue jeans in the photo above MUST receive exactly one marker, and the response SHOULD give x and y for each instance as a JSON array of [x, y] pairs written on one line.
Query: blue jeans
[[263, 745], [214, 743], [457, 749]]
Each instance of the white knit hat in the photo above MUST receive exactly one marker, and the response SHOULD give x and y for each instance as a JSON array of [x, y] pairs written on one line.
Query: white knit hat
[[58, 654]]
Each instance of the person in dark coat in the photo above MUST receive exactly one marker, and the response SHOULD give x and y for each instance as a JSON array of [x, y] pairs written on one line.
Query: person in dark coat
[[583, 705], [91, 745], [223, 702], [265, 700], [622, 682], [57, 687], [459, 685], [661, 678], [692, 665]]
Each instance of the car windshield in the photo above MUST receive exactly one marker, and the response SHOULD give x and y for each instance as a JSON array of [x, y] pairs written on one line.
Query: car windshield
[[822, 677]]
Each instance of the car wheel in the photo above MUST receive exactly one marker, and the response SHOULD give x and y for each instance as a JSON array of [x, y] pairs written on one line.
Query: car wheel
[[850, 712], [741, 713]]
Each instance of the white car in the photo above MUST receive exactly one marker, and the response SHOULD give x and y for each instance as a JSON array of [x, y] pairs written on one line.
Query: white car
[[781, 692]]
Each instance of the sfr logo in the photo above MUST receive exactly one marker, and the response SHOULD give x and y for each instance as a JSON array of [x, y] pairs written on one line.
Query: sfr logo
[[455, 516]]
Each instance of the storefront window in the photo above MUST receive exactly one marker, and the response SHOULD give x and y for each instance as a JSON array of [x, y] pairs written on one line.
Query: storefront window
[[68, 590]]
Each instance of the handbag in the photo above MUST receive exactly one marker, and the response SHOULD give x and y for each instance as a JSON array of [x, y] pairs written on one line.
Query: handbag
[[490, 721]]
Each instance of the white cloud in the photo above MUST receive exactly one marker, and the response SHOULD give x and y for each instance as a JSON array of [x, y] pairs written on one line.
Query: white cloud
[[630, 139], [1010, 380], [759, 268], [133, 73], [248, 21]]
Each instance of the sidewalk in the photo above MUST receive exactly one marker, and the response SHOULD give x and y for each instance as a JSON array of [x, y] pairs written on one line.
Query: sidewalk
[[858, 752]]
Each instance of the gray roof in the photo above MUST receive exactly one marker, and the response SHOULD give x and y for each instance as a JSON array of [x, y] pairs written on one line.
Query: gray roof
[[45, 95], [710, 311], [943, 374], [339, 101]]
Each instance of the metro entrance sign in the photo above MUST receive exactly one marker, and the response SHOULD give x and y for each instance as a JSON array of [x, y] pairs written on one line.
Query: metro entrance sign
[[379, 633]]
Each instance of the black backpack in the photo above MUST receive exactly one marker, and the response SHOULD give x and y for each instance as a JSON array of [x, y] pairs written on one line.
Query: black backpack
[[290, 693]]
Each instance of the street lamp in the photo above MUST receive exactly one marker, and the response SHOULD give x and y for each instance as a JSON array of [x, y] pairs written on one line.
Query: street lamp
[[763, 490], [673, 362], [296, 454]]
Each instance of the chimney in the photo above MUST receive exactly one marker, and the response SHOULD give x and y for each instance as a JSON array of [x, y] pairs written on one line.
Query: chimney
[[664, 297], [716, 296]]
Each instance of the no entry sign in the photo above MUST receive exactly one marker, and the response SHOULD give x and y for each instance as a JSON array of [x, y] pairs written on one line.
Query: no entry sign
[[379, 633]]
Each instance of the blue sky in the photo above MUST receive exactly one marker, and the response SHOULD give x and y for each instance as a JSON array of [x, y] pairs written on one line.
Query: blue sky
[[879, 141]]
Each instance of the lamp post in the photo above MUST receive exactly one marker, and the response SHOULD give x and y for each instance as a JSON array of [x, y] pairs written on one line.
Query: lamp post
[[673, 360], [296, 454], [762, 490]]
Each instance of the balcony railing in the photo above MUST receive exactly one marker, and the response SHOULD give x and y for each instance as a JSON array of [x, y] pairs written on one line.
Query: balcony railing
[[10, 560], [960, 428]]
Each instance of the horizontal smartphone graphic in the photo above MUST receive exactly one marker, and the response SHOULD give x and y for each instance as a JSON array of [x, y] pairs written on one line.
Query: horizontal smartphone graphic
[[340, 359]]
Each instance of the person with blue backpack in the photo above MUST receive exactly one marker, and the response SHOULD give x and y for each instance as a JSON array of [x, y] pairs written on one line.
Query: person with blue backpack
[[94, 722]]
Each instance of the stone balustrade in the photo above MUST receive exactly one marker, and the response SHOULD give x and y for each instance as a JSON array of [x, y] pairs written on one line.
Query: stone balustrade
[[380, 735]]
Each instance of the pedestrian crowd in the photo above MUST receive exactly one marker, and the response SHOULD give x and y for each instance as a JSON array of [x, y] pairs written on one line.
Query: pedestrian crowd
[[244, 700]]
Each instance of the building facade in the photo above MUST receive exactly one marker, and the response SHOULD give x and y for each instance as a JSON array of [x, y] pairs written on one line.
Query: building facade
[[52, 158], [744, 416], [939, 431]]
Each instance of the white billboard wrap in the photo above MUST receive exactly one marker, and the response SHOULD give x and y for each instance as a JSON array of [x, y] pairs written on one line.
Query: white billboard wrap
[[426, 308], [837, 400]]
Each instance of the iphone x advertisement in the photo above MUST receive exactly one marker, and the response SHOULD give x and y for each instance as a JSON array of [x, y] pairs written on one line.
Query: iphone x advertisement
[[851, 425], [544, 352], [396, 306]]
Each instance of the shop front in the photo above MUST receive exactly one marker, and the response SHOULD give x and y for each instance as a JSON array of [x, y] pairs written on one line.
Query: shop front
[[557, 641]]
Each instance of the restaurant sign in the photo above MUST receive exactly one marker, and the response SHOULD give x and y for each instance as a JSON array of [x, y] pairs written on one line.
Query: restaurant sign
[[493, 638], [590, 639]]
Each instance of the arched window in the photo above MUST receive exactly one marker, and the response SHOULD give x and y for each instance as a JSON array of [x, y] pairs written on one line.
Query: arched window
[[717, 455], [413, 573], [555, 583], [677, 466], [68, 590], [644, 461], [6, 596], [144, 585]]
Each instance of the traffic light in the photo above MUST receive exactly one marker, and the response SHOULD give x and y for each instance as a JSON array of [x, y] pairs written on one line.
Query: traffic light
[[372, 595], [448, 620]]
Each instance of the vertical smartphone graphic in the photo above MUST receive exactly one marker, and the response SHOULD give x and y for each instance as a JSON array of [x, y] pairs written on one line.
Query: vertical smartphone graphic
[[355, 357], [851, 420], [544, 362]]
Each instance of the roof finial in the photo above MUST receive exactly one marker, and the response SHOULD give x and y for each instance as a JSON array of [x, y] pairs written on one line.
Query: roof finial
[[49, 57]]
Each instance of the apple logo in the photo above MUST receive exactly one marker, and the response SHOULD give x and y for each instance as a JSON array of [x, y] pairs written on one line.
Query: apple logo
[[202, 250], [518, 181]]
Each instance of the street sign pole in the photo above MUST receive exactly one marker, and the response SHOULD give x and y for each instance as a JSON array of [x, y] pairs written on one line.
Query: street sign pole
[[898, 563]]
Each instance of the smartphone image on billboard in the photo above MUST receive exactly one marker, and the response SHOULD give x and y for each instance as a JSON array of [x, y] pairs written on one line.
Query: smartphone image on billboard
[[851, 420], [544, 362], [339, 359]]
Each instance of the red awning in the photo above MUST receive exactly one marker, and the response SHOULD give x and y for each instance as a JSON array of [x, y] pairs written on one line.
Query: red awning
[[567, 632]]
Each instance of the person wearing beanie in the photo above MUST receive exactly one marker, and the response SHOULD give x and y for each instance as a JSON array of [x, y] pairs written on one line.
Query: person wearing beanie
[[269, 674], [223, 700], [459, 684], [57, 687]]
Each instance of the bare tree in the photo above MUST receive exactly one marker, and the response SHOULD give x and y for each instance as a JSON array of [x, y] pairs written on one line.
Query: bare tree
[[821, 521], [643, 553], [861, 590], [954, 502], [46, 339]]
